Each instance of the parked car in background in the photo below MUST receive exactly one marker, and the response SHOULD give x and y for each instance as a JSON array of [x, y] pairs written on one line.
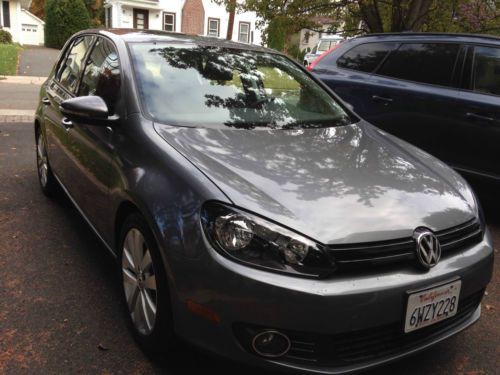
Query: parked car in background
[[324, 44], [440, 92], [250, 211]]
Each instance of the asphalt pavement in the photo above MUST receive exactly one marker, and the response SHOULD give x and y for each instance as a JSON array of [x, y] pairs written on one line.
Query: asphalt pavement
[[60, 307], [18, 97], [37, 61]]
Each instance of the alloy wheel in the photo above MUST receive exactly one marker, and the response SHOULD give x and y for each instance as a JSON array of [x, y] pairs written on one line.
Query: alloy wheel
[[41, 160], [139, 281]]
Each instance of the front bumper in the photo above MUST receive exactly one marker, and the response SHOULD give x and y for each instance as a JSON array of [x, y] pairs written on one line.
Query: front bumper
[[359, 310]]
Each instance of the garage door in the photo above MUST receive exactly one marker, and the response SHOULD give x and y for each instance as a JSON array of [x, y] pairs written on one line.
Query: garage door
[[31, 34]]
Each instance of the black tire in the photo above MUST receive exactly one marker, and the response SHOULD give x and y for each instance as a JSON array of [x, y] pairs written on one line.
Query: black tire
[[161, 338], [48, 183]]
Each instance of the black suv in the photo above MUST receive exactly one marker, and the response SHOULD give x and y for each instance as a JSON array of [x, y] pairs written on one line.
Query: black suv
[[440, 92]]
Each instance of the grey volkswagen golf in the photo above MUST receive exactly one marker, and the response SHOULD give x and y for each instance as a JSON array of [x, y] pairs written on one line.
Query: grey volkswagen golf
[[251, 212]]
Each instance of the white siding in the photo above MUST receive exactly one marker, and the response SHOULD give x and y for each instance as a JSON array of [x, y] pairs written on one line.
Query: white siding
[[15, 20], [123, 16], [20, 17], [32, 29]]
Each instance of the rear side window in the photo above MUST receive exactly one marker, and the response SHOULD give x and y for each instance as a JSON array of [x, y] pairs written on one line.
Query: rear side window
[[102, 74], [71, 68], [486, 70], [432, 63], [365, 57]]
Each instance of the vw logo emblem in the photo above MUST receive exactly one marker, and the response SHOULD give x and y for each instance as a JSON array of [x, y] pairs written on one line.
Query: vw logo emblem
[[428, 248]]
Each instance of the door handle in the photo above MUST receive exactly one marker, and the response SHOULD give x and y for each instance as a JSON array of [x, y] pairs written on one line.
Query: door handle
[[477, 116], [46, 101], [382, 99], [68, 124]]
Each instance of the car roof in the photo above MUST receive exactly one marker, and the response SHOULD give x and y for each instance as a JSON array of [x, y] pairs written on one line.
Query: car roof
[[138, 36], [331, 37], [456, 37]]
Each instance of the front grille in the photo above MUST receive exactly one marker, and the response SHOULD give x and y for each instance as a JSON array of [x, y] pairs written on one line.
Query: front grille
[[365, 345], [360, 346], [403, 250]]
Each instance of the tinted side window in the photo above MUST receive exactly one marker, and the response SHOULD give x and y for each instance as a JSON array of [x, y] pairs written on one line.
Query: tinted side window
[[102, 74], [486, 70], [365, 57], [70, 70], [432, 63]]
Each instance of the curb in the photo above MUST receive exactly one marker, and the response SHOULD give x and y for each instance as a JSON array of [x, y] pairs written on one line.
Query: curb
[[16, 119], [23, 80], [16, 115]]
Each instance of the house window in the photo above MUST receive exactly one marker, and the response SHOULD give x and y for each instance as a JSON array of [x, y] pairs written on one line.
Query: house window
[[109, 17], [213, 27], [5, 14], [169, 21], [244, 32]]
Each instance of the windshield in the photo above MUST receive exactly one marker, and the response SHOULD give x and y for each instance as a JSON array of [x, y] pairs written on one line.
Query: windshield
[[192, 85]]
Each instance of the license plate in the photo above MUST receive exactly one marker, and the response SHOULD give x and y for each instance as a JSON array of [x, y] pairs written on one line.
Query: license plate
[[430, 306]]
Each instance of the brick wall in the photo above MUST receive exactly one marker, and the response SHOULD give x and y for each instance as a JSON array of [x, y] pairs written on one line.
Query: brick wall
[[193, 17]]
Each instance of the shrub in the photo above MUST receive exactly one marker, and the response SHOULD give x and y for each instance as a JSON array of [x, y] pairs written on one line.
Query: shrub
[[5, 37], [63, 18]]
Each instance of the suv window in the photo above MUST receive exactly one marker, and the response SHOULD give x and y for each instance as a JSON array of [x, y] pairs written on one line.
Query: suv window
[[432, 63], [102, 74], [365, 57], [486, 70], [71, 68]]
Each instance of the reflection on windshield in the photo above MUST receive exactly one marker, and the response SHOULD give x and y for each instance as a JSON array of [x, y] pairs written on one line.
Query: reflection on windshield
[[203, 86]]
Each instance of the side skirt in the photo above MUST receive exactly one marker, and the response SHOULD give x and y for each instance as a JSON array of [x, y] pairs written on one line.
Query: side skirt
[[109, 248]]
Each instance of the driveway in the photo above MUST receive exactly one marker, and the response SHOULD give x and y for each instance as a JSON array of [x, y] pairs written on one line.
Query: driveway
[[60, 307], [19, 98], [37, 61]]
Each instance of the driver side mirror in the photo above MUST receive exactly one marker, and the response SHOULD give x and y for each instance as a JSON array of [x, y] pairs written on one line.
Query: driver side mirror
[[89, 109]]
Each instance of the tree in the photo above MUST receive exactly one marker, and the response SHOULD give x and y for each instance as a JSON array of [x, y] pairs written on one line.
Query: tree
[[37, 7], [377, 15], [96, 11], [63, 18], [353, 17], [231, 9], [94, 7], [479, 16]]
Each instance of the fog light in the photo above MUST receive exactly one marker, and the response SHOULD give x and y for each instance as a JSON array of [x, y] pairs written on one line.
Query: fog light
[[271, 344]]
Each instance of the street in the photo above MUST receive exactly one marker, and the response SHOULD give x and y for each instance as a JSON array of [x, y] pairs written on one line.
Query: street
[[60, 307]]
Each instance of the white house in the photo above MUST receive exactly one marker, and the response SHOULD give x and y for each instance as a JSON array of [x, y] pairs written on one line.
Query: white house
[[24, 27], [201, 17]]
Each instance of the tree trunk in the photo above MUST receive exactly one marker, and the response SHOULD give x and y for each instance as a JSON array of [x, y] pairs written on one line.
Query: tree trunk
[[416, 14], [286, 44], [231, 8], [397, 16], [371, 16]]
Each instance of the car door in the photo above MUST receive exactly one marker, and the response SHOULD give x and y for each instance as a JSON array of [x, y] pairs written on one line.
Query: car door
[[92, 145], [348, 73], [62, 86], [479, 125], [413, 96]]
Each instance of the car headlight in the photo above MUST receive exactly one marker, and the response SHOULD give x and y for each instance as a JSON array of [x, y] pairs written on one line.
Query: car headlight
[[256, 242]]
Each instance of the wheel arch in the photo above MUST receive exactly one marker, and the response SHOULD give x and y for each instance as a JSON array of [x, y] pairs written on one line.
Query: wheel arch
[[126, 208], [37, 127]]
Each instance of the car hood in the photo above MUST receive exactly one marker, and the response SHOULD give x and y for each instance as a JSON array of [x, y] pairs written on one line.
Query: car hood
[[336, 185]]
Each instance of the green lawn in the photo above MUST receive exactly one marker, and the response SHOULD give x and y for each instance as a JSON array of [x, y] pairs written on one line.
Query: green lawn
[[8, 59]]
